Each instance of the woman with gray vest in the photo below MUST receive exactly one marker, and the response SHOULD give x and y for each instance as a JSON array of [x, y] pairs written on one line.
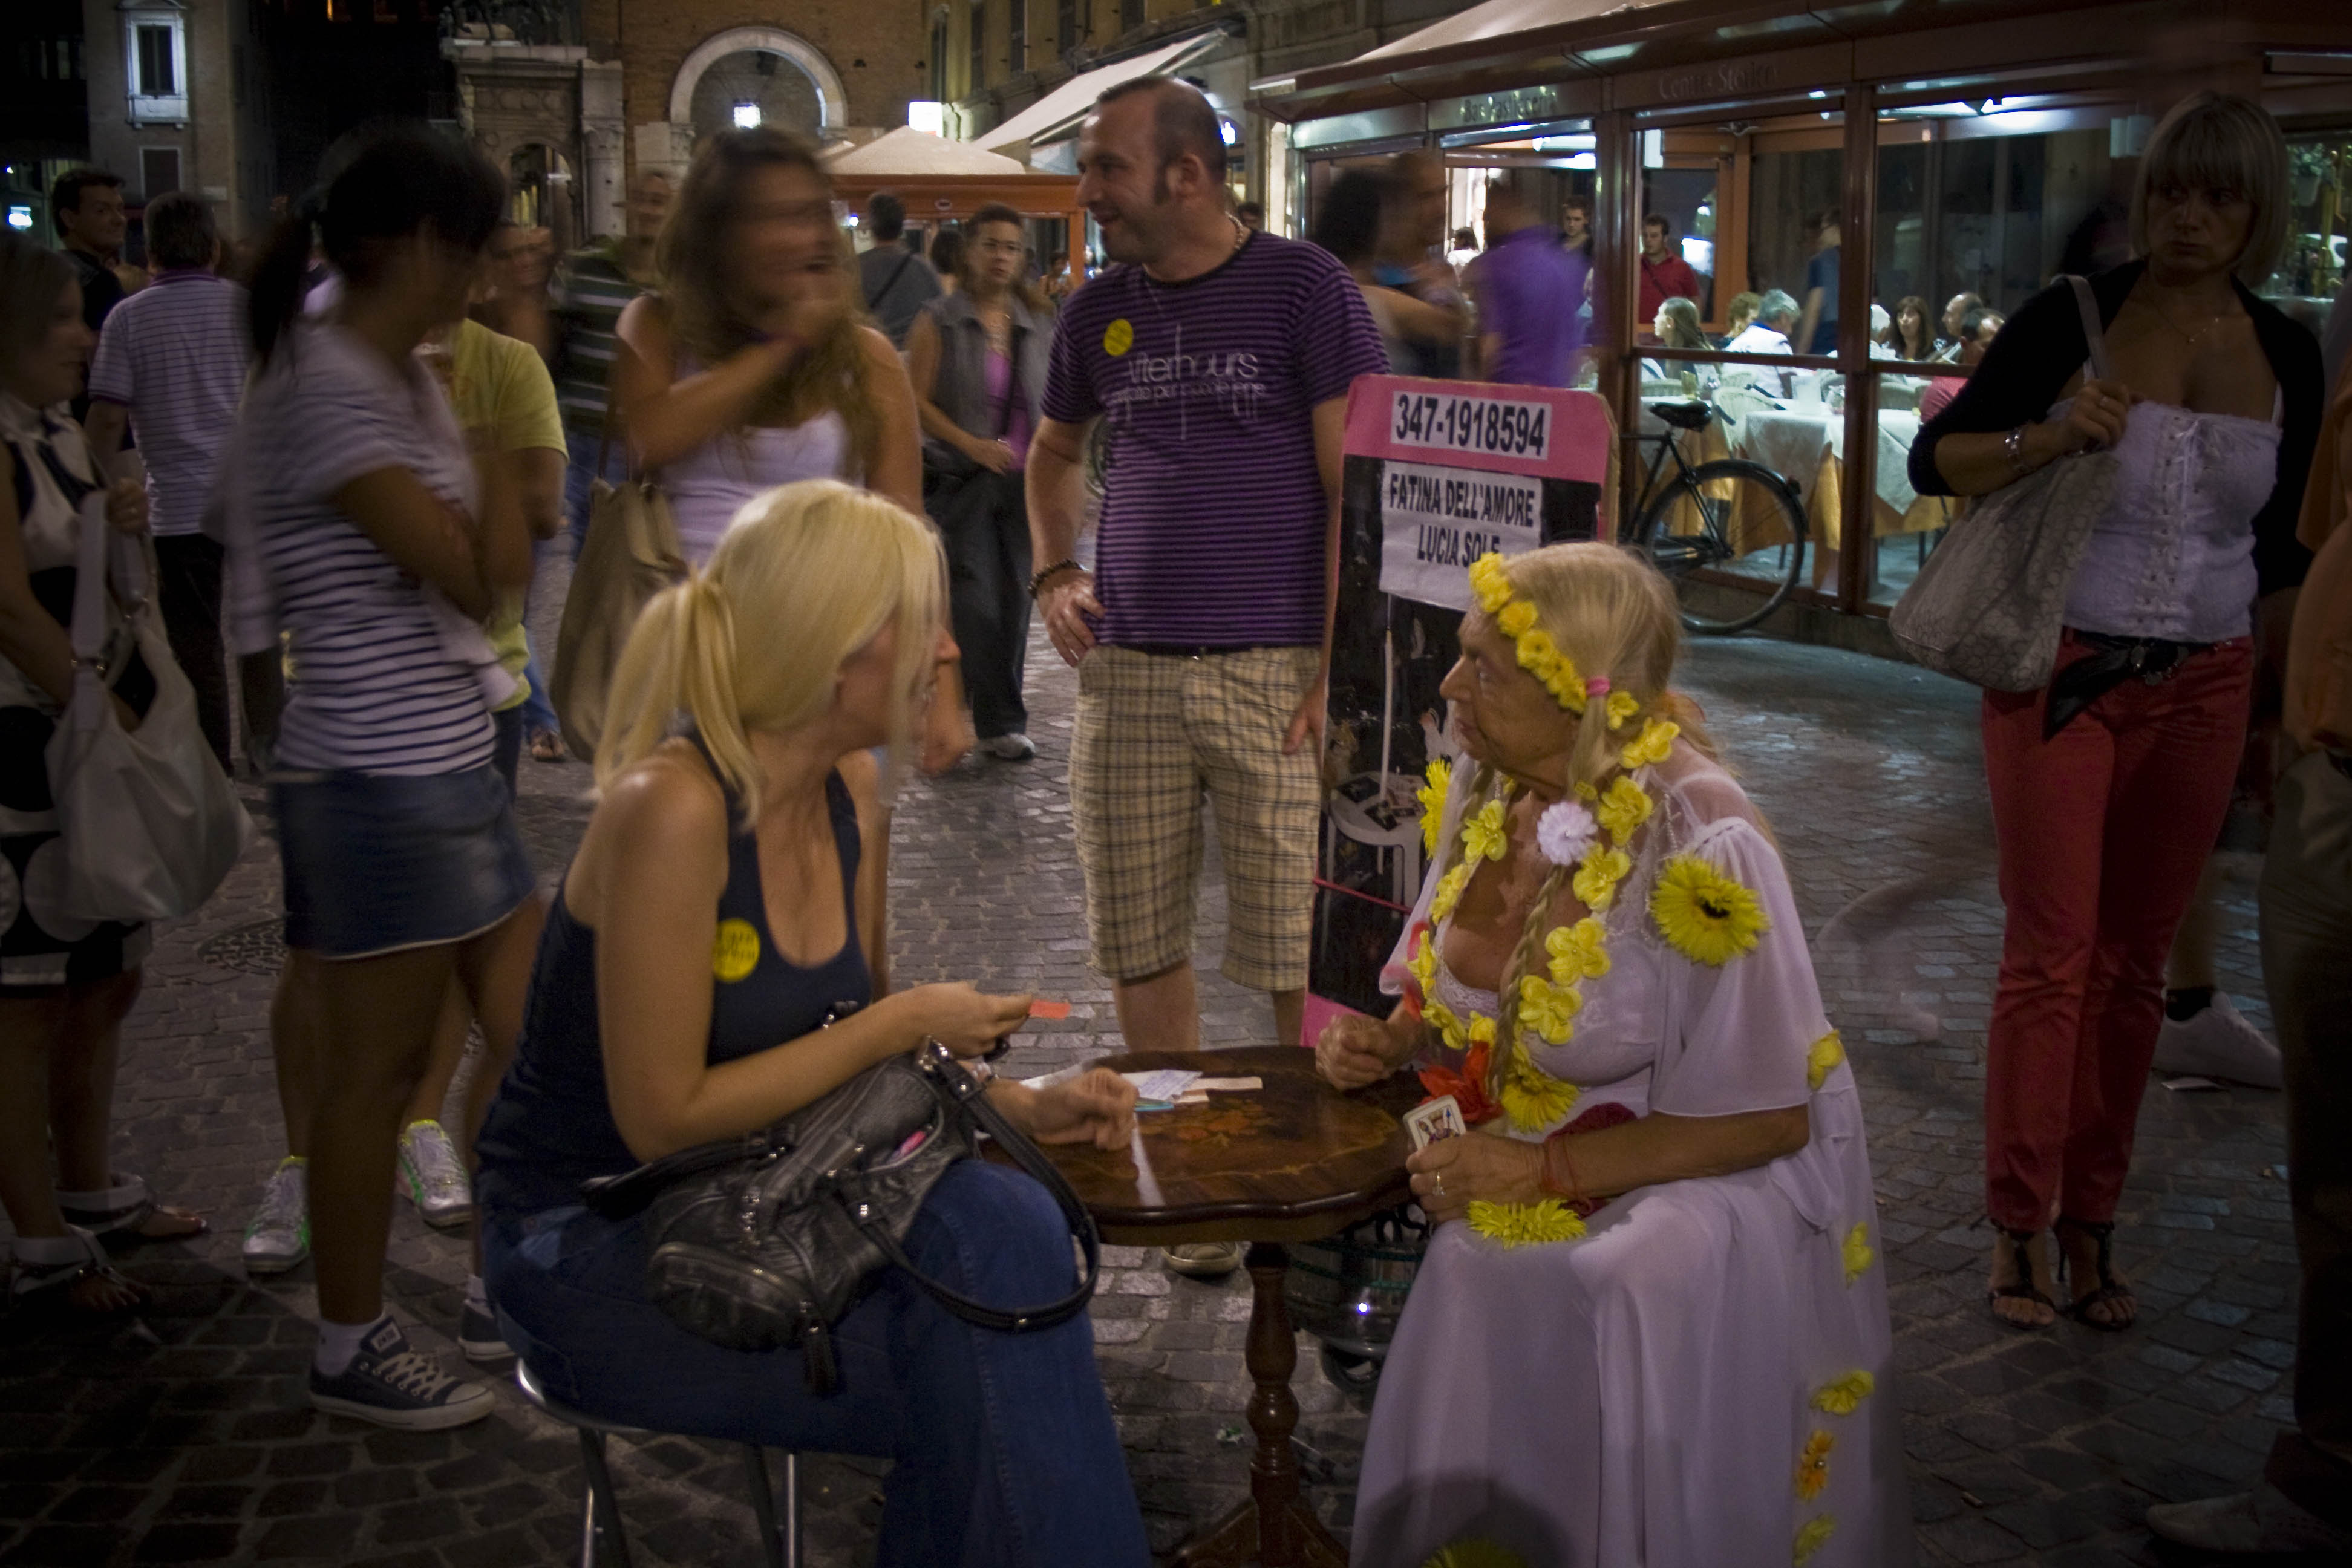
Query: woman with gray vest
[[978, 361]]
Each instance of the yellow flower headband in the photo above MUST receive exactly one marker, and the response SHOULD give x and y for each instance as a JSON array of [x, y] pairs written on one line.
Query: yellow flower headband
[[1538, 655]]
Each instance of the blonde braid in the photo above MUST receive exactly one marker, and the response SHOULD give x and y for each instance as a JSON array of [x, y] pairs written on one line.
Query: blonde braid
[[1521, 963]]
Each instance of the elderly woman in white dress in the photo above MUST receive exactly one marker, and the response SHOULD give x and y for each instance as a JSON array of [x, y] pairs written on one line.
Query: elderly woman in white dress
[[1651, 1324]]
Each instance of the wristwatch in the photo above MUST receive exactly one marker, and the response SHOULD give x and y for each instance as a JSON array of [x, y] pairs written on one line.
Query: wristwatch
[[2014, 445]]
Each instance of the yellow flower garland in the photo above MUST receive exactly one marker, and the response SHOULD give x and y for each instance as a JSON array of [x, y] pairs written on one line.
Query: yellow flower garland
[[1595, 882], [1432, 796], [1526, 1225], [1578, 951], [1483, 837], [1824, 1058], [1657, 740], [1811, 1538], [1624, 807], [1548, 1009], [1813, 1465], [1843, 1395], [1708, 917], [1857, 1252], [1538, 654]]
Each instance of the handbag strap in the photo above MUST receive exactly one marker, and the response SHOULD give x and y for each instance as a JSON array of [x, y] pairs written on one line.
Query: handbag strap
[[2095, 335], [961, 1091]]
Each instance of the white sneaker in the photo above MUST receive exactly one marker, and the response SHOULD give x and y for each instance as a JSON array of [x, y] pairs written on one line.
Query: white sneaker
[[434, 1177], [2217, 1042], [1014, 748], [278, 1237]]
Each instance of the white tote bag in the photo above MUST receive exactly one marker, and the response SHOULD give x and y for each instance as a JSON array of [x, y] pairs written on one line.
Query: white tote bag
[[150, 824]]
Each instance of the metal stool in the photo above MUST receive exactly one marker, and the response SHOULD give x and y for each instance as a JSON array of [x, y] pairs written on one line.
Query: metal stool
[[600, 1512]]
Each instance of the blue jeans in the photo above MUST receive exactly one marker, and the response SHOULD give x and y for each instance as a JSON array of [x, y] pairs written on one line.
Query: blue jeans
[[580, 472], [538, 713], [1006, 1456]]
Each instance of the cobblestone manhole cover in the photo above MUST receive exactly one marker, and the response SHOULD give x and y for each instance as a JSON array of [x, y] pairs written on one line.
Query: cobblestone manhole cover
[[255, 948]]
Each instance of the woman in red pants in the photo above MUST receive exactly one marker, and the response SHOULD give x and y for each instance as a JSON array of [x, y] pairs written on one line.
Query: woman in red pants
[[2110, 784]]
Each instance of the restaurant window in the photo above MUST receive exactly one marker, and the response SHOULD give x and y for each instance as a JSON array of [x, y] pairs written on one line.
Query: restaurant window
[[978, 39], [2311, 272], [1017, 38]]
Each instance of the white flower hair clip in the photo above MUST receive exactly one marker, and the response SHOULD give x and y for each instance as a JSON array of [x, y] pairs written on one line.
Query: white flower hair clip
[[1565, 831]]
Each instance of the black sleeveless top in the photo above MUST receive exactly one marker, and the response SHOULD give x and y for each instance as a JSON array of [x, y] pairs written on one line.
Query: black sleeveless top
[[552, 1126]]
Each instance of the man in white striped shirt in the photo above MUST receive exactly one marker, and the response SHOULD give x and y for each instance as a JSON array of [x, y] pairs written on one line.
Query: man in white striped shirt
[[174, 369]]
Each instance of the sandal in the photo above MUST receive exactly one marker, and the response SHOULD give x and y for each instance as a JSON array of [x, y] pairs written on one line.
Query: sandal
[[76, 1266], [129, 1207], [2112, 1292], [2022, 1288], [547, 746]]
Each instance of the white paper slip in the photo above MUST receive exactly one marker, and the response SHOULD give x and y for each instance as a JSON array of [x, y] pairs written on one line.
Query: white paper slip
[[1228, 1085], [1163, 1084]]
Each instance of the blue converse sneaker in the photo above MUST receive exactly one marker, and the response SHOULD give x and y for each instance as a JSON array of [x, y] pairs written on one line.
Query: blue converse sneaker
[[392, 1386], [478, 1337]]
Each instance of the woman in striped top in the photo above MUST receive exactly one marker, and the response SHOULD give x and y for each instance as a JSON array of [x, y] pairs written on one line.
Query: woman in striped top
[[403, 865]]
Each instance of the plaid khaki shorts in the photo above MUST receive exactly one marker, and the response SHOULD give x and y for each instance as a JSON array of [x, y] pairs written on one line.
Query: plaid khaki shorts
[[1154, 733]]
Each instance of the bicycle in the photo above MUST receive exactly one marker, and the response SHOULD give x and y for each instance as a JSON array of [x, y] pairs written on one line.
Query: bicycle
[[1714, 493]]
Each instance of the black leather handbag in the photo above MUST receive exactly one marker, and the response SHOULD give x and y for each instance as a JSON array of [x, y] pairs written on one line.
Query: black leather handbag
[[764, 1241]]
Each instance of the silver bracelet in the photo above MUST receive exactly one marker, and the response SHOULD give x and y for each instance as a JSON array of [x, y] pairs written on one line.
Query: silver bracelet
[[2013, 443]]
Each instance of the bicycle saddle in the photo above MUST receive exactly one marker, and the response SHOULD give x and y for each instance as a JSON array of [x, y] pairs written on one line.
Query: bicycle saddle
[[1691, 416]]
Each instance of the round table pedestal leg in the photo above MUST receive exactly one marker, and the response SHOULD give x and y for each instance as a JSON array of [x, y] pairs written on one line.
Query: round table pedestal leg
[[1274, 1528]]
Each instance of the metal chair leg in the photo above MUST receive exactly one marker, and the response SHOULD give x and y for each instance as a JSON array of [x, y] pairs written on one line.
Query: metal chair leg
[[604, 1511], [763, 1504], [791, 1510]]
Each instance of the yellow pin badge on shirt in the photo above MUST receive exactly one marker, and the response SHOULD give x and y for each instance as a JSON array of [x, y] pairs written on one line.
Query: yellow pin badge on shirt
[[1119, 336], [736, 950]]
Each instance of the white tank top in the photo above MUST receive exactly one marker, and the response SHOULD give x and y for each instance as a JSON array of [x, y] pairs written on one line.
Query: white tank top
[[710, 485]]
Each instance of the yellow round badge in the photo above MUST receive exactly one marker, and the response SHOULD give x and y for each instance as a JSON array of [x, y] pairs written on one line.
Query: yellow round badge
[[1119, 336], [736, 952]]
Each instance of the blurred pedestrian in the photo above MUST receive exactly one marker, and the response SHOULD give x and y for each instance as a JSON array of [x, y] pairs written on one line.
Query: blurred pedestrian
[[947, 259], [2304, 1501], [753, 367], [585, 299], [513, 297], [1201, 639], [1954, 321], [1527, 332], [401, 861], [1412, 260], [1664, 274], [85, 206], [64, 983], [1817, 327], [1251, 216], [169, 369], [977, 358], [2110, 785], [893, 278], [1349, 224], [1576, 226], [1977, 332]]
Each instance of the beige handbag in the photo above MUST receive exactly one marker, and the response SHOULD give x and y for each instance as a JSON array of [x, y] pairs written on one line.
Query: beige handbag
[[1986, 606], [631, 553]]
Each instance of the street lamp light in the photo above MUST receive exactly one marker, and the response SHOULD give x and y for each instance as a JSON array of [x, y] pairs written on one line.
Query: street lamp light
[[747, 116]]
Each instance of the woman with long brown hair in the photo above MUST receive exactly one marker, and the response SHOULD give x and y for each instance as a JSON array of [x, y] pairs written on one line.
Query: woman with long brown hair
[[753, 365]]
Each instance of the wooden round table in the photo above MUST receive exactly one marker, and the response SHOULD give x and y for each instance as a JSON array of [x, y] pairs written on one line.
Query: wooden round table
[[1296, 1161]]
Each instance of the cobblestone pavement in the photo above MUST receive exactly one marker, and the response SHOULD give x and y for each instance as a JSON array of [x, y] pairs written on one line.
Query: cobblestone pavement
[[189, 1440]]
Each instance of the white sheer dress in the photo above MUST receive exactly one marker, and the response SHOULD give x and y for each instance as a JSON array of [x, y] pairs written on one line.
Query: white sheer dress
[[1650, 1393]]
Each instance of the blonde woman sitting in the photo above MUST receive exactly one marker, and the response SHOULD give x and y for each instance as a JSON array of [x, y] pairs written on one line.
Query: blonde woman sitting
[[1652, 1325]]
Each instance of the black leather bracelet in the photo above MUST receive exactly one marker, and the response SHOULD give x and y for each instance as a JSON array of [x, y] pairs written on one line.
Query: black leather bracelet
[[1067, 564]]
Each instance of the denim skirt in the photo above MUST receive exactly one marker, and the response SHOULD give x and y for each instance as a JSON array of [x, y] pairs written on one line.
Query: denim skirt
[[375, 863]]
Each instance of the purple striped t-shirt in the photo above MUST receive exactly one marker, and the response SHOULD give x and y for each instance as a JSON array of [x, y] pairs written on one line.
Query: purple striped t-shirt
[[1215, 516]]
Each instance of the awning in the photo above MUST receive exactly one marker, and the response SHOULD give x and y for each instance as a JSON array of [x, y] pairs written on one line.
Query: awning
[[1061, 109], [908, 153]]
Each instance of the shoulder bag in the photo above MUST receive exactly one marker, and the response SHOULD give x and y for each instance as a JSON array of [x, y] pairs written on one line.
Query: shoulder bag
[[150, 823], [630, 555], [764, 1241], [1986, 606]]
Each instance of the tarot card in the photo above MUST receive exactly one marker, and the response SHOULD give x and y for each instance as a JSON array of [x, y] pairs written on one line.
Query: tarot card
[[1440, 1119]]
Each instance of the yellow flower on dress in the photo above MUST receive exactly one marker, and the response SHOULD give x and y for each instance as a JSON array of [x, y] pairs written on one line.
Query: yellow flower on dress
[[1516, 618], [1842, 1395], [1824, 1058], [1858, 1254], [1482, 1029], [1707, 916], [1524, 1225], [1622, 706], [1548, 1009], [1483, 837], [1813, 1465], [1596, 881], [1579, 952], [1624, 807], [1809, 1539], [1440, 1017], [1532, 1098], [1449, 892], [1657, 741], [1423, 967], [1431, 796], [1475, 1552]]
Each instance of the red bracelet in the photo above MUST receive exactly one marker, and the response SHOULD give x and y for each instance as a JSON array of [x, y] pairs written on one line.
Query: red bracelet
[[1555, 1149]]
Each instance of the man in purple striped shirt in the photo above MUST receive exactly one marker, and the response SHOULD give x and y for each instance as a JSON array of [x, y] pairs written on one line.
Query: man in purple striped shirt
[[1219, 361], [170, 365]]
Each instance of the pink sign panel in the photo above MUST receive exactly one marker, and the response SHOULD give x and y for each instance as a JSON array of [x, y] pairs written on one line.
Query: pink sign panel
[[1539, 431]]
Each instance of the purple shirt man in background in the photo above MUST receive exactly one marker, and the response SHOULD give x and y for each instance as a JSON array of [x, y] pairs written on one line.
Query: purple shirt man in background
[[1528, 288]]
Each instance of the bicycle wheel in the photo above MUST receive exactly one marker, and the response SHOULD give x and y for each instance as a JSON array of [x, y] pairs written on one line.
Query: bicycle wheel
[[1722, 515]]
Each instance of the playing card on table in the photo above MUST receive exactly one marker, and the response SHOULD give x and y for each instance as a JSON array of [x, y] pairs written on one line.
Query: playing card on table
[[1439, 1119]]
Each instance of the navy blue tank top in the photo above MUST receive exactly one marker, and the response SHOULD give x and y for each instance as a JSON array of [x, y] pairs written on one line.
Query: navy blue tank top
[[552, 1126]]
